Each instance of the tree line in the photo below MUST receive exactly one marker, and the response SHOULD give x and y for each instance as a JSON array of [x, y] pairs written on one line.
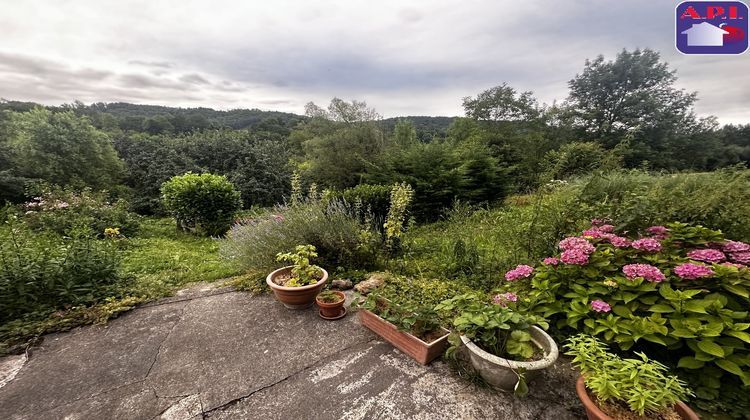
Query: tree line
[[620, 113]]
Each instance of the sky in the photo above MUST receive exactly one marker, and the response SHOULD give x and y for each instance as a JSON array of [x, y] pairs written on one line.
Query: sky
[[401, 57]]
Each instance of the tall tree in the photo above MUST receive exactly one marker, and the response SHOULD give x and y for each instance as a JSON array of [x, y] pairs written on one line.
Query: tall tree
[[632, 95]]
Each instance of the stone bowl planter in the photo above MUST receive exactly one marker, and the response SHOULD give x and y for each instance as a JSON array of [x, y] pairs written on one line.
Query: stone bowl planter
[[593, 412], [412, 346], [295, 297], [500, 372]]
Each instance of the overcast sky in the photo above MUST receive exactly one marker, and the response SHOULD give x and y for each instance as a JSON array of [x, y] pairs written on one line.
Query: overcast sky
[[403, 58]]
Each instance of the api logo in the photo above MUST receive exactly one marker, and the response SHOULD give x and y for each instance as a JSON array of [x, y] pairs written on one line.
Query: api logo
[[706, 27]]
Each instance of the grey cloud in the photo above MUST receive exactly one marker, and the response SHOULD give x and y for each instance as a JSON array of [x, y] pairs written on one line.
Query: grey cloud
[[160, 64], [195, 79]]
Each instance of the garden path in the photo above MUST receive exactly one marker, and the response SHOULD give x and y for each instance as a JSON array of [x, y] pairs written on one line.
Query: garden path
[[217, 353]]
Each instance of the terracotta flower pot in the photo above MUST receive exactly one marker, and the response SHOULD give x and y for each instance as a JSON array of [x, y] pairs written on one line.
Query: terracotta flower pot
[[500, 372], [593, 412], [295, 297], [331, 310], [415, 348]]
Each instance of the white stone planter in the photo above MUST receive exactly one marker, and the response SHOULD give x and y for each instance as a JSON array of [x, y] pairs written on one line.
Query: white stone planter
[[499, 372]]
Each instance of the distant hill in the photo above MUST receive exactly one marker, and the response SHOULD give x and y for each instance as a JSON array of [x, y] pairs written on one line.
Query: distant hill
[[159, 119]]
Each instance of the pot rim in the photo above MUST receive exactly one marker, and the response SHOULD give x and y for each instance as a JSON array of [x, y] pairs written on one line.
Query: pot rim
[[430, 344], [269, 280], [340, 293], [548, 359], [682, 409]]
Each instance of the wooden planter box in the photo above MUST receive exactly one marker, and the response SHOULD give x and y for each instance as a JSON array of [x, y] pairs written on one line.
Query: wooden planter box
[[417, 349]]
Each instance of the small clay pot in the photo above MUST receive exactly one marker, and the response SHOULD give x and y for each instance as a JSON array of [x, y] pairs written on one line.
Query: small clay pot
[[331, 310], [593, 412]]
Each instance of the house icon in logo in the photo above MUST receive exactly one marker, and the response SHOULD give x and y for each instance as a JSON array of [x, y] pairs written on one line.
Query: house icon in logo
[[705, 35]]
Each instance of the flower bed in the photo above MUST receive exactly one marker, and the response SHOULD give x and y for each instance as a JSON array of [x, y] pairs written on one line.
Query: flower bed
[[678, 292]]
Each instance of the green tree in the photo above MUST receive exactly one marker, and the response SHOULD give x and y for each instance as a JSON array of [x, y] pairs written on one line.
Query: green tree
[[60, 148], [634, 94]]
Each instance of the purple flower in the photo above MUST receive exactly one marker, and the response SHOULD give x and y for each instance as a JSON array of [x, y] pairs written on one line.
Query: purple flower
[[504, 298], [692, 271], [647, 271], [550, 261], [600, 306], [647, 244], [657, 230], [575, 256], [706, 255], [520, 272], [620, 242], [607, 228], [578, 243], [735, 246], [740, 257]]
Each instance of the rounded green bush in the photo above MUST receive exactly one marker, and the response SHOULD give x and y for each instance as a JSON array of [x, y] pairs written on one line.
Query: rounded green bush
[[201, 203]]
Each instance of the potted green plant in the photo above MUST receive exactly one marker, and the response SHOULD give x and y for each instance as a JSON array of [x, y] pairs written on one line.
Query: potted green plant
[[625, 388], [413, 329], [504, 346], [331, 304], [297, 285]]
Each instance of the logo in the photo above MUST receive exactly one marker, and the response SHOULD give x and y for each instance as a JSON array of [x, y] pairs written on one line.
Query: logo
[[706, 27]]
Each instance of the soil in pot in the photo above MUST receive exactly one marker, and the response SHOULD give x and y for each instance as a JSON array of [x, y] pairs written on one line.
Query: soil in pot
[[283, 278], [620, 412]]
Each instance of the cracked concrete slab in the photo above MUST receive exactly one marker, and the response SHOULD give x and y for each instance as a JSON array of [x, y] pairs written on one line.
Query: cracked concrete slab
[[232, 355]]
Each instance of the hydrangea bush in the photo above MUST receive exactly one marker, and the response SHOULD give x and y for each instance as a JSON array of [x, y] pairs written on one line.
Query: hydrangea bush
[[680, 292]]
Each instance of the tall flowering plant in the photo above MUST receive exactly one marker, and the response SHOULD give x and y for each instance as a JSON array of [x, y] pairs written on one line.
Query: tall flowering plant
[[684, 289]]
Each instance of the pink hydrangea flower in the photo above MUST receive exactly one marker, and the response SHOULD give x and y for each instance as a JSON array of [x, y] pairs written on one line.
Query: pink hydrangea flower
[[735, 246], [600, 306], [607, 228], [647, 271], [740, 257], [520, 272], [657, 230], [647, 244], [575, 256], [706, 255], [576, 242], [597, 222], [593, 233], [278, 217], [503, 299], [691, 271], [551, 261], [620, 242]]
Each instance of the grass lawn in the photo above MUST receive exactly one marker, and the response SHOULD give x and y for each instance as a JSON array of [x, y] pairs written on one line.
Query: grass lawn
[[159, 261], [162, 259]]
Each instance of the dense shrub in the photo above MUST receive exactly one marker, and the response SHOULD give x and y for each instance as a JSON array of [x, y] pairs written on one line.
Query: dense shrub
[[41, 272], [681, 293], [635, 200], [373, 200], [63, 210], [340, 239], [203, 204]]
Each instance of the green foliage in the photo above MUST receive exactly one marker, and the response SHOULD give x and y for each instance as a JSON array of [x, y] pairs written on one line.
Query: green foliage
[[63, 210], [417, 319], [257, 167], [43, 272], [494, 327], [329, 296], [702, 322], [372, 200], [56, 147], [641, 384], [303, 273], [340, 239], [578, 158], [204, 204], [401, 197]]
